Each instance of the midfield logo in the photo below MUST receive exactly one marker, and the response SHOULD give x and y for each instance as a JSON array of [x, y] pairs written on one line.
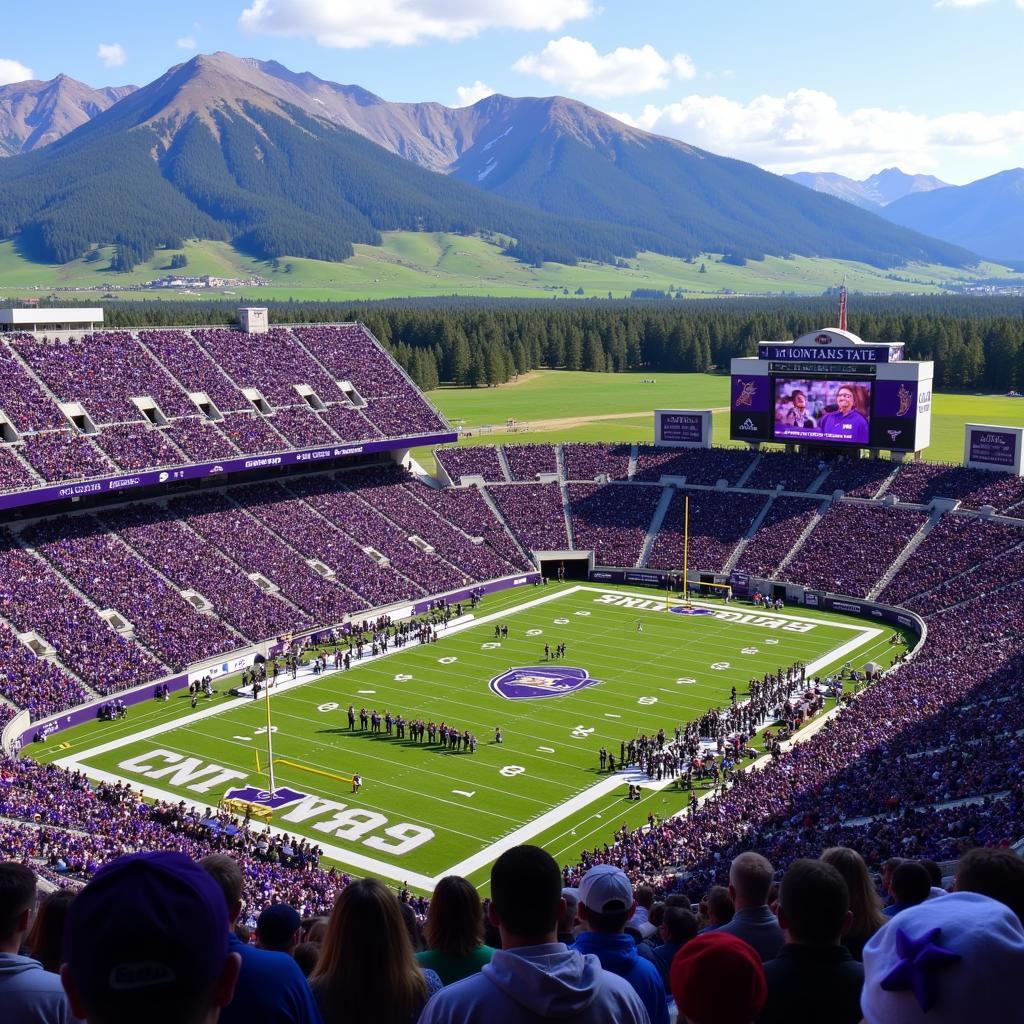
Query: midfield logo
[[540, 681], [681, 610]]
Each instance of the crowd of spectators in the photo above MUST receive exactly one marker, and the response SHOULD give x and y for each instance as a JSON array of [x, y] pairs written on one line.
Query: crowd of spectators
[[919, 482], [852, 546], [536, 512], [791, 472], [780, 529], [857, 478], [612, 520], [529, 461], [718, 521], [471, 460], [704, 466], [585, 461]]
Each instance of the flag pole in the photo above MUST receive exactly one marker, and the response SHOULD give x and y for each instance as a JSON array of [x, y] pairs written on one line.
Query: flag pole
[[270, 746], [686, 547]]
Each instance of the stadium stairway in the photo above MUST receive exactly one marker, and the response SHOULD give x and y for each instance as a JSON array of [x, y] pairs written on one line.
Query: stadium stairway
[[887, 482], [489, 498], [748, 536], [656, 520], [819, 480], [634, 454], [569, 531], [563, 473], [815, 519], [912, 545], [503, 462], [746, 474]]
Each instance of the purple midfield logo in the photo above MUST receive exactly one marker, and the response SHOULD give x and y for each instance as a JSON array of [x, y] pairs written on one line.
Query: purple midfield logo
[[682, 610], [540, 681], [255, 795]]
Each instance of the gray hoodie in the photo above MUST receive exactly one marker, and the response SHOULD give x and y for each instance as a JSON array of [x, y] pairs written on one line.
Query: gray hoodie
[[30, 995], [538, 983]]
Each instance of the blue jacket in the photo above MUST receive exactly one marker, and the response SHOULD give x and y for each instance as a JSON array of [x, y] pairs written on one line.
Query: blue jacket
[[271, 989], [617, 953], [30, 995]]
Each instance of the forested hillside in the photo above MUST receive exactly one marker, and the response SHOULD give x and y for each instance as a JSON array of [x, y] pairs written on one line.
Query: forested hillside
[[975, 343]]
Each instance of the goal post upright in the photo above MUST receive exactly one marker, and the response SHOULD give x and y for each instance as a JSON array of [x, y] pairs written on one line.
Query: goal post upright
[[686, 547], [271, 788]]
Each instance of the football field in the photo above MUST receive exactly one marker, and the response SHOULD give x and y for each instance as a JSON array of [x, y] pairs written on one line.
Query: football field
[[635, 662]]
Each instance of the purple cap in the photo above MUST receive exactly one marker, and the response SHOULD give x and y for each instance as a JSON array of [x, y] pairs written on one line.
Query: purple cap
[[146, 925]]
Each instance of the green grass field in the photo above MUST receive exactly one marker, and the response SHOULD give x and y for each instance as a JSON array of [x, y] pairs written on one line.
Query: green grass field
[[424, 812], [574, 404], [437, 264]]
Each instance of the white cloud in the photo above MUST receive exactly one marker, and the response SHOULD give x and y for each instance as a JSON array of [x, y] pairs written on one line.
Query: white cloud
[[806, 130], [186, 43], [351, 23], [13, 71], [470, 94], [575, 65], [112, 54]]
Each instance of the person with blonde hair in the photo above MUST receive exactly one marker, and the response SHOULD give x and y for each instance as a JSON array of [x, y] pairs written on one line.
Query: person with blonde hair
[[455, 931], [367, 973], [865, 903]]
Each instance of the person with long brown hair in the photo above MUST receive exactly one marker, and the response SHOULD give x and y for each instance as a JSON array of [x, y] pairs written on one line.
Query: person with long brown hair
[[455, 931], [46, 938], [865, 903], [366, 973]]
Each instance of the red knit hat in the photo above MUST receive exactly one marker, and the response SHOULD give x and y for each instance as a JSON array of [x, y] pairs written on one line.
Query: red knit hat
[[717, 978]]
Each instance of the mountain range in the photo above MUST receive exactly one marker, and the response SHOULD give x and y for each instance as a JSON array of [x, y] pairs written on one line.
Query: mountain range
[[872, 193], [34, 114], [283, 163]]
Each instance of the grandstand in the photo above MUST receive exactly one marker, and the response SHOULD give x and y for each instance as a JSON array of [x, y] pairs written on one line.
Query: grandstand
[[178, 502]]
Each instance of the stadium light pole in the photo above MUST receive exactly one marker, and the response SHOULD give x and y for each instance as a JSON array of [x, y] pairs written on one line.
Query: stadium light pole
[[270, 747]]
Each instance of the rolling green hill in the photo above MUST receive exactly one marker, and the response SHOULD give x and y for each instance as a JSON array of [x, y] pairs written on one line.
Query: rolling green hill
[[440, 263]]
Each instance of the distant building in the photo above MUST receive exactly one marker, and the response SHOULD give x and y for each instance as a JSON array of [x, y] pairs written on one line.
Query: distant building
[[51, 321]]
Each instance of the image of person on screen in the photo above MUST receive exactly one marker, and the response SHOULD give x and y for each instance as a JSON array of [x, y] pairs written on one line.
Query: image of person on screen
[[797, 414], [847, 423]]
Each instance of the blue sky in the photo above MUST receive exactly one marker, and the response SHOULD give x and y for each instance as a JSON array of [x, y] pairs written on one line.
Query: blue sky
[[933, 86]]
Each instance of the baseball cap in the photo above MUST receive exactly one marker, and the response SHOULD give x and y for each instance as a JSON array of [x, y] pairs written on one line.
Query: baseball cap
[[958, 958], [277, 924], [717, 978], [147, 926], [605, 889]]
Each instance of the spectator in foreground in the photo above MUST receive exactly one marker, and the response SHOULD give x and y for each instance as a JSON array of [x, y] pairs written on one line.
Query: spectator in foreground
[[814, 978], [750, 881], [567, 923], [278, 928], [28, 993], [946, 961], [993, 872], [147, 940], [455, 931], [534, 977], [606, 904], [271, 987], [865, 904], [678, 927], [717, 908], [367, 973], [46, 939], [718, 979], [910, 885]]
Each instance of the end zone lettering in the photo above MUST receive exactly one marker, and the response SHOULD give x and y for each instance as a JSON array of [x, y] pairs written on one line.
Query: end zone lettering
[[746, 618], [339, 820]]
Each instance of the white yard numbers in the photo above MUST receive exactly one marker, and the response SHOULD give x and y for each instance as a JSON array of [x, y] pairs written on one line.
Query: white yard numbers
[[770, 640], [583, 613], [261, 731], [720, 666], [561, 622], [403, 677], [749, 650], [534, 632], [327, 708], [510, 771], [648, 700], [490, 646], [686, 681], [581, 732], [447, 661]]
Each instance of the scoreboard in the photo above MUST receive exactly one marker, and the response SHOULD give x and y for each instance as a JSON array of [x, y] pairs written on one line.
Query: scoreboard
[[830, 388]]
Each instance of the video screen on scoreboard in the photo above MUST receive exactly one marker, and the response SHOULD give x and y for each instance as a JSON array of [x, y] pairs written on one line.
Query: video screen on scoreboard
[[822, 411]]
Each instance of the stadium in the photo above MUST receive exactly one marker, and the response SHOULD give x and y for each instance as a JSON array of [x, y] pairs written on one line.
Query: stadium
[[238, 615]]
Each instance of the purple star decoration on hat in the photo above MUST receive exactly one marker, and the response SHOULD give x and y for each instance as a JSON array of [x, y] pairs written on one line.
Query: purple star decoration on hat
[[920, 962]]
